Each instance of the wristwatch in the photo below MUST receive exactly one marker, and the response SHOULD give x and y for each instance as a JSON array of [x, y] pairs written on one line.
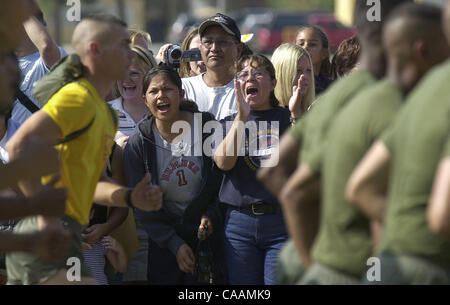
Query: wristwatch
[[128, 198]]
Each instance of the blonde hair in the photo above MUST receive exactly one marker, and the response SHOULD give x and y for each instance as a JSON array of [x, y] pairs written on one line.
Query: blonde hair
[[136, 34], [143, 59], [285, 60]]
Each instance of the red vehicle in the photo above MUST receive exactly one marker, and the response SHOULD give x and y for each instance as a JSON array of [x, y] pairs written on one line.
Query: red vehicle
[[279, 27], [335, 31], [276, 28]]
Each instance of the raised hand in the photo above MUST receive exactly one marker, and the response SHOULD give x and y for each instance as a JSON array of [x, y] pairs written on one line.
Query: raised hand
[[297, 99], [241, 104], [145, 196], [186, 259]]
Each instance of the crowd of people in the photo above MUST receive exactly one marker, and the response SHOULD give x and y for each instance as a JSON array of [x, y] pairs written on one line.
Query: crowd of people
[[235, 168]]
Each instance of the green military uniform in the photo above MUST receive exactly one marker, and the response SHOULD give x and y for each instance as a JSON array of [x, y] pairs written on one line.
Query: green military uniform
[[416, 142], [290, 268], [25, 268], [344, 242], [309, 130]]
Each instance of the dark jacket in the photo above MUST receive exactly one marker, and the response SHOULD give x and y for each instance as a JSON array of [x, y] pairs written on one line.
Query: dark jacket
[[163, 227]]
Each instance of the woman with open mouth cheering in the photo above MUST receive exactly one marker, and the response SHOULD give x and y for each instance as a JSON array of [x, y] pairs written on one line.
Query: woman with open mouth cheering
[[188, 181], [254, 226]]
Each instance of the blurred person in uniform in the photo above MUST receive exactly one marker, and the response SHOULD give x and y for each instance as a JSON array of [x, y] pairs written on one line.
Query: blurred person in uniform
[[394, 180], [414, 44], [306, 140]]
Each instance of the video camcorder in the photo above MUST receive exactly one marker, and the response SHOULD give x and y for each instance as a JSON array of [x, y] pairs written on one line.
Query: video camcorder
[[174, 56]]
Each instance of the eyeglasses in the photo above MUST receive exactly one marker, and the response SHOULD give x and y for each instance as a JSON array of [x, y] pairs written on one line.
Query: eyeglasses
[[256, 73], [220, 43]]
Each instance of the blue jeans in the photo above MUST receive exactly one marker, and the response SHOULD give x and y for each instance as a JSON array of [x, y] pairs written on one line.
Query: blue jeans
[[252, 245]]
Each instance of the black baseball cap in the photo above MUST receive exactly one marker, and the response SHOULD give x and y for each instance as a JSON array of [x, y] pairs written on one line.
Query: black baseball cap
[[226, 22]]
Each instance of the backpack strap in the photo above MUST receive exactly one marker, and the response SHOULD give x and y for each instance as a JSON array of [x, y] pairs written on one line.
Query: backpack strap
[[109, 161], [77, 133], [26, 102]]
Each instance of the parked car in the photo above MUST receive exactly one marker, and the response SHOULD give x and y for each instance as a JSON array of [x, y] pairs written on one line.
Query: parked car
[[275, 28], [335, 31]]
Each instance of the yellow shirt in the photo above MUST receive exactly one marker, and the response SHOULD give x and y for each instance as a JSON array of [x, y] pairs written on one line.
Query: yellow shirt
[[82, 159]]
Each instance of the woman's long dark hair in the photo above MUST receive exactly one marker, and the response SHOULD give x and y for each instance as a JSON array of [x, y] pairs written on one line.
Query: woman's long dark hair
[[325, 66]]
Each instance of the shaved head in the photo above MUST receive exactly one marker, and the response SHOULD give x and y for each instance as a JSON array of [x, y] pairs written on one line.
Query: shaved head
[[103, 44], [410, 23], [368, 28], [98, 28], [414, 43]]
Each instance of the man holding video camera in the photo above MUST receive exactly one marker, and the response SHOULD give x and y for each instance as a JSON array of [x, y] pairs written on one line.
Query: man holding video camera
[[220, 47]]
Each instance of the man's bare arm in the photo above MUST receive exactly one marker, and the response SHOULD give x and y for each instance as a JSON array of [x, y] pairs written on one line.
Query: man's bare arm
[[51, 244], [41, 38], [144, 196], [48, 201], [367, 185], [275, 177], [300, 200], [438, 211], [38, 133]]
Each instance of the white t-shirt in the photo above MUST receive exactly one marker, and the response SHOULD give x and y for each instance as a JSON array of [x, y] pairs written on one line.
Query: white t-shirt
[[127, 126], [219, 101], [12, 128], [33, 69], [180, 174]]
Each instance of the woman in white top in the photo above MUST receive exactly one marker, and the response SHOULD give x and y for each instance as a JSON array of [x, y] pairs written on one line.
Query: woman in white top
[[130, 105]]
